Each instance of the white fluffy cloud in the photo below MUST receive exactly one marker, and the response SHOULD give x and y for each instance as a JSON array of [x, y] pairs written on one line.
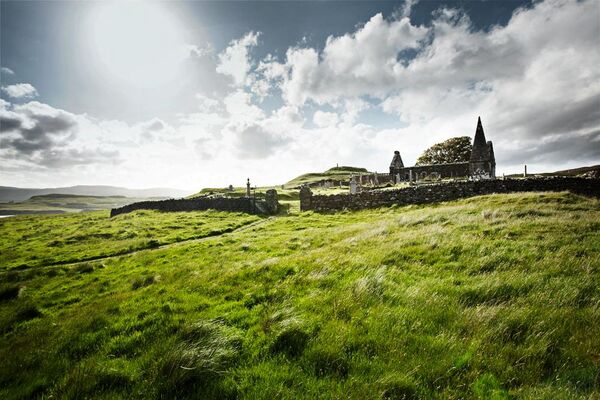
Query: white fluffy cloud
[[532, 81], [20, 90], [324, 119], [43, 136], [235, 59], [389, 85]]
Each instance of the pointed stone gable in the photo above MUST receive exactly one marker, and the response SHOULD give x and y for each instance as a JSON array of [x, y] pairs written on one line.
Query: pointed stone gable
[[480, 147], [397, 160]]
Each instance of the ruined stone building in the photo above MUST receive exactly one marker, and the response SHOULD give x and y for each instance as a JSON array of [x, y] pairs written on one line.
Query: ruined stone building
[[482, 164]]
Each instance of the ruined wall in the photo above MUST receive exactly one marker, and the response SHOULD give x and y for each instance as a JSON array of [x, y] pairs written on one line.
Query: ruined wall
[[234, 204], [434, 171], [446, 192], [375, 179]]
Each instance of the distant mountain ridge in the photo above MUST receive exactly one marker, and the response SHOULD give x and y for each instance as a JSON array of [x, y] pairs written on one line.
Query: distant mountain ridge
[[9, 193]]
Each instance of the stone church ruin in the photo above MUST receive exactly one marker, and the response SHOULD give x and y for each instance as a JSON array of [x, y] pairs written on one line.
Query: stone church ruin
[[482, 164]]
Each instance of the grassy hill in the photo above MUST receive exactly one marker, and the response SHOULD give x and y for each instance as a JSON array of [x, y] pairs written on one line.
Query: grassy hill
[[341, 173], [564, 172], [65, 203], [493, 297]]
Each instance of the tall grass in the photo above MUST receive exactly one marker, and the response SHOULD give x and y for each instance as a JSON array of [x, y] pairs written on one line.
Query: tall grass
[[493, 297]]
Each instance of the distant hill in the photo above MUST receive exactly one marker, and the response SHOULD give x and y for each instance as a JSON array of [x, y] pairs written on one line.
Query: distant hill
[[8, 193], [564, 172], [573, 172], [66, 203], [341, 173]]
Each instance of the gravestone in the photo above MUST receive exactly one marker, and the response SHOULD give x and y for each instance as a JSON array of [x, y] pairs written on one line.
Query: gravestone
[[353, 185], [271, 201], [305, 197]]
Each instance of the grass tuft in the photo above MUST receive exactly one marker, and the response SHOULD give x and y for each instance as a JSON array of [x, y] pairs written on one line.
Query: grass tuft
[[291, 341]]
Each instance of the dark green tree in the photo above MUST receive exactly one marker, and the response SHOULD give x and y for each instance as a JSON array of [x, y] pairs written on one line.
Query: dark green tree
[[453, 150]]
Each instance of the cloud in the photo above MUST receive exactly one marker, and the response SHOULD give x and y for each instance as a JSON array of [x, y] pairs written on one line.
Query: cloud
[[355, 64], [234, 61], [254, 141], [389, 84], [206, 104], [7, 71], [154, 129], [323, 119], [240, 107], [198, 51], [530, 80], [407, 8], [44, 135], [559, 147], [20, 90]]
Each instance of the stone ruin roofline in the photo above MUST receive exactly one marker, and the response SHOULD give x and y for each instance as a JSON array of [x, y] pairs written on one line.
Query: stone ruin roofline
[[435, 165]]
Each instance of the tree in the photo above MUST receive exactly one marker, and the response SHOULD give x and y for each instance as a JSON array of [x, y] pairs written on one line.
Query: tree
[[453, 150]]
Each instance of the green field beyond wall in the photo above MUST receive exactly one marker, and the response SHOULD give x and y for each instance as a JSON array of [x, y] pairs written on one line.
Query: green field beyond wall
[[493, 297]]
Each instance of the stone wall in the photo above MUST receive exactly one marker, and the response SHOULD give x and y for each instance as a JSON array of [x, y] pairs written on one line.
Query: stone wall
[[445, 192], [234, 204]]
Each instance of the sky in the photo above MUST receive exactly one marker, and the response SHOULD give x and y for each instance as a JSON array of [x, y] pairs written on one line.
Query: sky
[[206, 94]]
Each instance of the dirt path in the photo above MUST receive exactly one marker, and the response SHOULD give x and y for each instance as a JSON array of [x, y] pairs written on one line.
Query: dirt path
[[223, 233]]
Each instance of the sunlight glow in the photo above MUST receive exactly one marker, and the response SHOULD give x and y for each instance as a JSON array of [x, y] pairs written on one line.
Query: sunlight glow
[[138, 43]]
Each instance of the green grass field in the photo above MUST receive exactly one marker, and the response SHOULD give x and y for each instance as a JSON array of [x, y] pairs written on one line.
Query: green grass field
[[33, 241], [493, 297]]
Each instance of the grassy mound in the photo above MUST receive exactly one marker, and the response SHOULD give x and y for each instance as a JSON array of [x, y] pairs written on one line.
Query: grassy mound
[[337, 173], [488, 297]]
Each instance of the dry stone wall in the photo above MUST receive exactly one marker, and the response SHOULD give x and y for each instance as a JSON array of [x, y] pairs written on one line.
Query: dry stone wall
[[248, 205], [445, 192]]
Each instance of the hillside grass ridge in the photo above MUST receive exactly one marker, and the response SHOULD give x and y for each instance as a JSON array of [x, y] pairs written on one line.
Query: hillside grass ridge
[[494, 296]]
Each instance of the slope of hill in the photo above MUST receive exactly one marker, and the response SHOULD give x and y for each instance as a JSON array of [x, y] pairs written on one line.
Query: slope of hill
[[8, 193], [574, 171], [565, 172], [341, 173], [492, 297]]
